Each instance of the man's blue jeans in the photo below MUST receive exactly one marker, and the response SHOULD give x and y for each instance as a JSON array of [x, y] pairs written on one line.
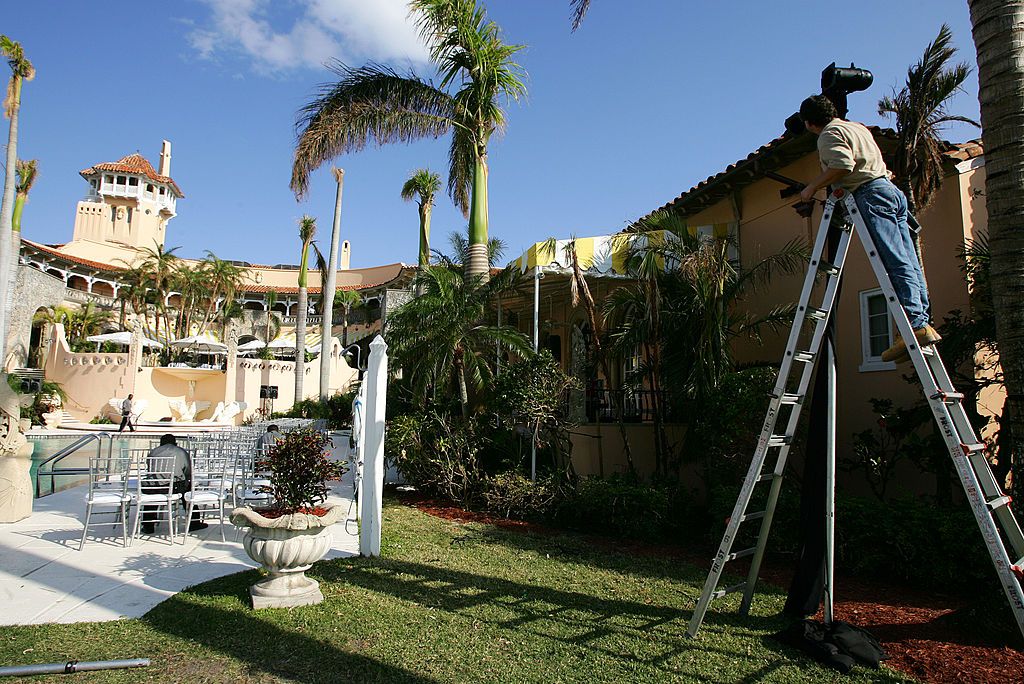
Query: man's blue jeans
[[884, 208]]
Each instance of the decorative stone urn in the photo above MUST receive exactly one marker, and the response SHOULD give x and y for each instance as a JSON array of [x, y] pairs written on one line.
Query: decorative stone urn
[[286, 547]]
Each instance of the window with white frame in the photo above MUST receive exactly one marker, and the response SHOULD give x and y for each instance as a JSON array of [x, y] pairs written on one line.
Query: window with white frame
[[876, 330]]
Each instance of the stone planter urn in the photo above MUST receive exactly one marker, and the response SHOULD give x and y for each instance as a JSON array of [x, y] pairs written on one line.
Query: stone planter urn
[[286, 547], [51, 419]]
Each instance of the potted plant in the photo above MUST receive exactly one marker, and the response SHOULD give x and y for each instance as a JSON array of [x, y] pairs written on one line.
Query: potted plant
[[295, 531]]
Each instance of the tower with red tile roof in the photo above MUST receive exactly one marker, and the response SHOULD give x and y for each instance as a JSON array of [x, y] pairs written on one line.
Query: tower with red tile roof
[[128, 202]]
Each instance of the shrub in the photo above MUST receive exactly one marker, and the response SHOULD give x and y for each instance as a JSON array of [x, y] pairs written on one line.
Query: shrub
[[337, 410], [512, 495], [623, 506], [299, 470], [437, 455]]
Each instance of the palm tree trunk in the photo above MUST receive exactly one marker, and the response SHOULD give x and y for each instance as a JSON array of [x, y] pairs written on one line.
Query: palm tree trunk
[[1000, 45], [460, 377], [425, 234], [344, 327], [479, 264], [300, 345], [7, 256], [327, 293]]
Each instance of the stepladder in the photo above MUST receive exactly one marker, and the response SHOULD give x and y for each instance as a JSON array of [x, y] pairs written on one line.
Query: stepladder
[[805, 348]]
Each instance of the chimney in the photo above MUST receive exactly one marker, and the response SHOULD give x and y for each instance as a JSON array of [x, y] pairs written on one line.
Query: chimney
[[165, 159]]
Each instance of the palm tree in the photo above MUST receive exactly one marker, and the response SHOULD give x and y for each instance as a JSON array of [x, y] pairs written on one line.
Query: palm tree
[[193, 282], [919, 109], [28, 172], [439, 340], [422, 186], [134, 285], [223, 281], [307, 231], [271, 300], [579, 10], [329, 283], [160, 267], [1000, 49], [375, 102], [346, 300], [21, 71]]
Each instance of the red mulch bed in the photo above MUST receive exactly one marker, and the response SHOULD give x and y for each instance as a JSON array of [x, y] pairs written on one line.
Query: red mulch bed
[[272, 513], [915, 628]]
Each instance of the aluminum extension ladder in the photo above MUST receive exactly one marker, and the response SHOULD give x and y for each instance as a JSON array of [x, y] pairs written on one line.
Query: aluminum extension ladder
[[988, 502]]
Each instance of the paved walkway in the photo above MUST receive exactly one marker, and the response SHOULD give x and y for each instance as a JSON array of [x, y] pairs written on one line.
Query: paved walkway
[[44, 578]]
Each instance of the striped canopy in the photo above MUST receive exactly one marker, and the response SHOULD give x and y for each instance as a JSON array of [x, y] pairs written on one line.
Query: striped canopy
[[605, 253], [286, 342]]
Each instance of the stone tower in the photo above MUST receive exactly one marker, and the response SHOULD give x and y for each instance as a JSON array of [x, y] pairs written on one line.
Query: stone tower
[[128, 202]]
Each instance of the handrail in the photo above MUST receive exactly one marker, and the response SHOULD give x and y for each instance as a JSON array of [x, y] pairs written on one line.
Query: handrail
[[70, 449]]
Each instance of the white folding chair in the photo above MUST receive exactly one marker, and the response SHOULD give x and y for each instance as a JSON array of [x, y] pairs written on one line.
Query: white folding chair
[[207, 492], [108, 489], [155, 495]]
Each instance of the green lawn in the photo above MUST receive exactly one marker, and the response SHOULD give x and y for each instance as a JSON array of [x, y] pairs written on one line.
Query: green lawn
[[447, 602]]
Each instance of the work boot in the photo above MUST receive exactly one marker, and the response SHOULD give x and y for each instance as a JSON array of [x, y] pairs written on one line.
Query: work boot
[[926, 337]]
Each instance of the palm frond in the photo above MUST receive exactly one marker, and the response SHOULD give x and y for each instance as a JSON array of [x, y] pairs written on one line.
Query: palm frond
[[372, 102]]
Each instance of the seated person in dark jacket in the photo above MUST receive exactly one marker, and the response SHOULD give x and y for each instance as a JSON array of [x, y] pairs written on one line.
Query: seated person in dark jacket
[[182, 481]]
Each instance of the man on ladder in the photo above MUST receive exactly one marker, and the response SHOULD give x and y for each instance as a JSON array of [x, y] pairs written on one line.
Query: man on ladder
[[851, 160], [875, 211]]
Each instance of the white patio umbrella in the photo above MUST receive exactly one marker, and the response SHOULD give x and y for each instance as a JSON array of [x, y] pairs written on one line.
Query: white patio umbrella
[[123, 338], [202, 343], [251, 346]]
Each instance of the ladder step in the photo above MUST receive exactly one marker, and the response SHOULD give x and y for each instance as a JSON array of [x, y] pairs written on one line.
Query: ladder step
[[741, 554], [756, 516], [728, 590], [972, 448], [787, 397], [817, 314], [948, 397], [765, 477], [1000, 501], [1018, 570], [826, 267], [804, 356], [780, 440]]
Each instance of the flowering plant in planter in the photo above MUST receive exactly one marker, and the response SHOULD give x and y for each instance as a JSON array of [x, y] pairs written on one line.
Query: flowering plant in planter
[[299, 471], [295, 531]]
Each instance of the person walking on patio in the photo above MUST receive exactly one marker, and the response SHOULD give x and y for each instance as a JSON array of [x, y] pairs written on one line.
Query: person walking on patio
[[126, 414], [851, 160]]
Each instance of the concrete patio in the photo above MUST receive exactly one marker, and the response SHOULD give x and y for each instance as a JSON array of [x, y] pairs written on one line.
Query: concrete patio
[[44, 578]]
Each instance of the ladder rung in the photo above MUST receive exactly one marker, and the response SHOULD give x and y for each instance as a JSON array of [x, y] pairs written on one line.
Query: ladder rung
[[719, 593], [1018, 570], [742, 554], [787, 397], [972, 448], [826, 267], [765, 477], [948, 397], [779, 440], [804, 356], [927, 351], [1000, 501], [753, 516], [817, 314]]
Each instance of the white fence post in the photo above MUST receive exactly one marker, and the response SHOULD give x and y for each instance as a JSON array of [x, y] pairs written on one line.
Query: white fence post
[[373, 448]]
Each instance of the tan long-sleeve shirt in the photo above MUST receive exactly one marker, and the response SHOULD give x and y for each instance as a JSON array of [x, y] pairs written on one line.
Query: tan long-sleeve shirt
[[850, 146]]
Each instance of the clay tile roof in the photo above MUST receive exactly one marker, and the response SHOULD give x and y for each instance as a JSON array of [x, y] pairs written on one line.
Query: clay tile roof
[[776, 154], [133, 163], [97, 265]]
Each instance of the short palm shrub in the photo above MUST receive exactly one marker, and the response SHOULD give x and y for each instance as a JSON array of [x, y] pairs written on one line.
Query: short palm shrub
[[300, 468]]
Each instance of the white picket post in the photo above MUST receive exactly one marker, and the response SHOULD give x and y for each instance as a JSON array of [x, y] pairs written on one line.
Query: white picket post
[[373, 448]]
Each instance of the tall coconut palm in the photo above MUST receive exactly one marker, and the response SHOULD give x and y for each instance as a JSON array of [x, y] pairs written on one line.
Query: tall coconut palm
[[374, 102], [307, 231], [1000, 47], [919, 110], [21, 71], [422, 186], [329, 284], [438, 339]]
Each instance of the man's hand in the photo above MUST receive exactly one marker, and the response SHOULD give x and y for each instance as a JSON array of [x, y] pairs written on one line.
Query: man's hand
[[807, 194]]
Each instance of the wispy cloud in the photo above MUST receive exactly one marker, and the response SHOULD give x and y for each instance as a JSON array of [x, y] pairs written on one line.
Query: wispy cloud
[[309, 34]]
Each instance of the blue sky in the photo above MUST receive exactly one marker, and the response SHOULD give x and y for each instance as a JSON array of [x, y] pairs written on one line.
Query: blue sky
[[647, 99]]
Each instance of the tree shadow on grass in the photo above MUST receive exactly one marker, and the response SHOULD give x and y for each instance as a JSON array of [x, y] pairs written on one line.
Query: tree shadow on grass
[[211, 616], [631, 632]]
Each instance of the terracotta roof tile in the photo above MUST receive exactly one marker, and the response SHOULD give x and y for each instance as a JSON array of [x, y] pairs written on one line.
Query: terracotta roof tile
[[133, 163], [99, 266]]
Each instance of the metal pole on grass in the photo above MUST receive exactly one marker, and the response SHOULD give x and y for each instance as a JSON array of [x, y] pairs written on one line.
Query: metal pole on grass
[[71, 667]]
